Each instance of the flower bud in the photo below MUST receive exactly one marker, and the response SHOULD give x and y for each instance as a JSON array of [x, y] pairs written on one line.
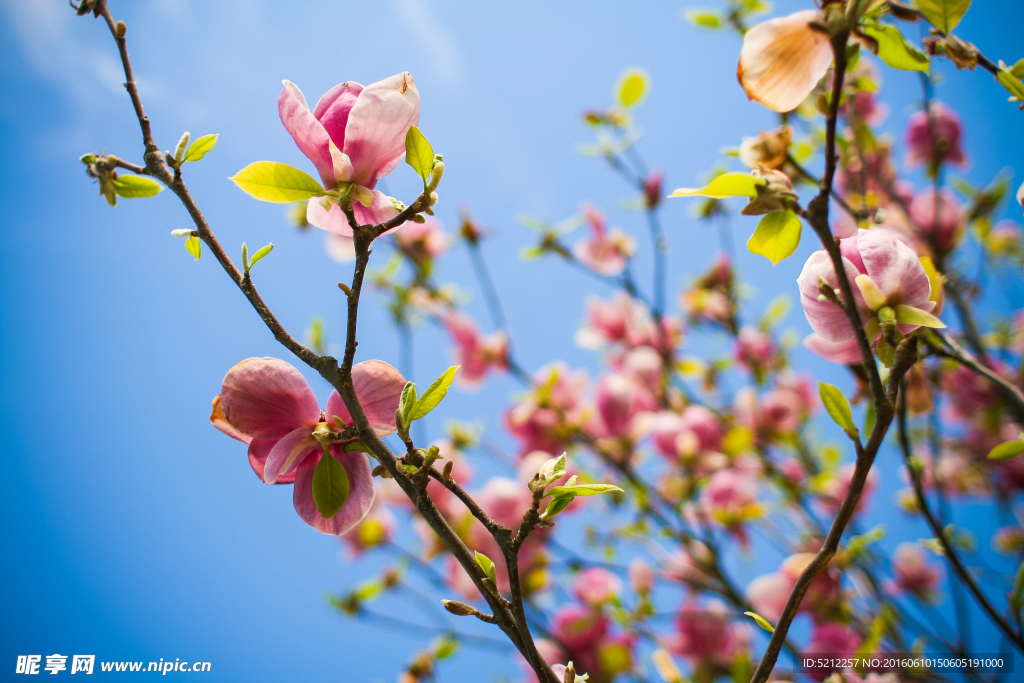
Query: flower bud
[[446, 474], [435, 176], [121, 29], [181, 232], [775, 195], [459, 609], [179, 151], [418, 218]]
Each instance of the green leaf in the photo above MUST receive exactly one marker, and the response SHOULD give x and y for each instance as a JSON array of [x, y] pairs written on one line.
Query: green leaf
[[434, 394], [330, 486], [486, 565], [556, 505], [444, 647], [894, 50], [260, 254], [703, 18], [631, 88], [943, 14], [551, 471], [1006, 450], [908, 315], [200, 148], [1012, 84], [777, 236], [725, 185], [869, 418], [836, 405], [761, 621], [582, 490], [406, 403], [419, 154], [194, 246], [1017, 69], [134, 186], [270, 181]]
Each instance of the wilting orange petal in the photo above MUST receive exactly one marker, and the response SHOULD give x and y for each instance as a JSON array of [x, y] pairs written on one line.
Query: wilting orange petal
[[783, 59]]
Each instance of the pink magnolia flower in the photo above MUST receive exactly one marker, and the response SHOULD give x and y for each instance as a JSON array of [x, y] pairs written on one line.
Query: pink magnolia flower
[[476, 353], [845, 352], [620, 400], [609, 322], [882, 270], [652, 189], [940, 217], [355, 136], [833, 490], [376, 529], [968, 392], [578, 628], [705, 635], [645, 365], [755, 350], [782, 59], [266, 403], [947, 130], [596, 586], [912, 572], [606, 253], [694, 431], [546, 418], [686, 565], [730, 498], [768, 594], [641, 575], [422, 242]]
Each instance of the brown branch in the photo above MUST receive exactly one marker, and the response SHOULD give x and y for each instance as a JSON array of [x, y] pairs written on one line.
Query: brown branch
[[950, 551], [1007, 390]]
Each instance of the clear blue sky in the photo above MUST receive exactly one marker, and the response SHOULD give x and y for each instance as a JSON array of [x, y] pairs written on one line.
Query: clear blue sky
[[134, 530]]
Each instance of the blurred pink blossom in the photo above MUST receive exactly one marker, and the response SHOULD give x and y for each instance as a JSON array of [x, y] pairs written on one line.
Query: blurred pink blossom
[[947, 129]]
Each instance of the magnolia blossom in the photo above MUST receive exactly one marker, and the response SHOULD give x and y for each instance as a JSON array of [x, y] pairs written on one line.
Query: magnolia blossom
[[267, 404], [730, 498], [476, 353], [546, 418], [604, 252], [641, 575], [783, 59], [706, 635], [596, 586], [939, 216], [768, 593], [768, 149], [912, 573], [620, 400], [695, 430], [422, 242], [355, 136], [578, 628], [883, 272], [947, 130], [376, 529], [845, 352], [833, 490], [755, 349], [624, 320]]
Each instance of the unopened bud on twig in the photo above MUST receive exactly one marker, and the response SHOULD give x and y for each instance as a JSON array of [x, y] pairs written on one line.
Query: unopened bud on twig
[[418, 218], [435, 176], [446, 473], [121, 29], [459, 609], [179, 151], [343, 287], [570, 673]]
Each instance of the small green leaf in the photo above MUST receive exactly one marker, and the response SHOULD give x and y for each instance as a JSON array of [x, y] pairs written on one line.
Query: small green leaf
[[444, 647], [406, 404], [200, 148], [631, 88], [1017, 69], [270, 181], [703, 18], [582, 490], [551, 471], [419, 154], [487, 566], [725, 185], [894, 50], [556, 505], [1012, 84], [761, 621], [1006, 450], [777, 236], [135, 186], [943, 14], [908, 315], [260, 254], [434, 394], [356, 446], [869, 418], [330, 486], [837, 406], [194, 246]]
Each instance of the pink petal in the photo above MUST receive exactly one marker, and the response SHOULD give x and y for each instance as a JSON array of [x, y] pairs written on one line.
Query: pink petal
[[845, 352], [307, 132], [288, 453], [266, 398], [380, 211], [377, 124], [379, 388], [360, 495], [894, 267], [826, 318], [332, 221], [783, 59], [333, 109], [259, 449], [220, 421]]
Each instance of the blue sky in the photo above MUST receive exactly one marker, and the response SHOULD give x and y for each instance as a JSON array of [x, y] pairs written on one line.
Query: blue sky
[[134, 530]]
